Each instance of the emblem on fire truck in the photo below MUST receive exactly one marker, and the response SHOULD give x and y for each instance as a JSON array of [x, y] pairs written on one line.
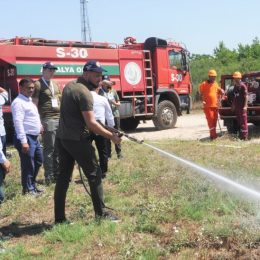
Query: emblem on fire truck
[[132, 73]]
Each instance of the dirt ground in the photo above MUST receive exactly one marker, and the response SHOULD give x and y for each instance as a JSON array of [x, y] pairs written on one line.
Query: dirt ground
[[188, 127]]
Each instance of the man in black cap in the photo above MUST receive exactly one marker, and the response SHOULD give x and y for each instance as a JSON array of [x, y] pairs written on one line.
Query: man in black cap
[[47, 96], [92, 75], [77, 119]]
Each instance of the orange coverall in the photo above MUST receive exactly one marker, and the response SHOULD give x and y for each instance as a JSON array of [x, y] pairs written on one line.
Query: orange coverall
[[210, 93]]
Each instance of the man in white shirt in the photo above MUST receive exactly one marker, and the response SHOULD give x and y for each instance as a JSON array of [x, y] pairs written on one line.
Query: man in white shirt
[[27, 126], [103, 113], [113, 99], [4, 163]]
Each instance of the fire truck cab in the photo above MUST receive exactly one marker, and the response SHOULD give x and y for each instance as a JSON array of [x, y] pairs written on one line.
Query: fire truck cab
[[152, 78], [252, 80]]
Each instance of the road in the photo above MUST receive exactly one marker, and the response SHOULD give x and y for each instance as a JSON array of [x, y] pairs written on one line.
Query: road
[[188, 127]]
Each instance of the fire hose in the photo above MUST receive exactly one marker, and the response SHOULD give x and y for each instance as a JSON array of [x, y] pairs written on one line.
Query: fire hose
[[120, 134]]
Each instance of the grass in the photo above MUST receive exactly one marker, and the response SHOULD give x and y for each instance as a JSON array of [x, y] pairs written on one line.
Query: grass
[[168, 210]]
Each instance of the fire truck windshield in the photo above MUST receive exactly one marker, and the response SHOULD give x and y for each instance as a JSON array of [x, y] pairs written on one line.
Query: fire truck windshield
[[175, 59]]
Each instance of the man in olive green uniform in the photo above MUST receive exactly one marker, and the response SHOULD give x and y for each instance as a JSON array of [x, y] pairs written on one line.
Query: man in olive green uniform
[[77, 119], [47, 98]]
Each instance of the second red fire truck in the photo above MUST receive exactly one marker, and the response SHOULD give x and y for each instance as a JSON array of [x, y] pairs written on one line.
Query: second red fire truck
[[252, 81]]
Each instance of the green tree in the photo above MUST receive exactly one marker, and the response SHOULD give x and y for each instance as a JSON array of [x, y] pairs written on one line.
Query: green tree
[[255, 49], [244, 52], [224, 55]]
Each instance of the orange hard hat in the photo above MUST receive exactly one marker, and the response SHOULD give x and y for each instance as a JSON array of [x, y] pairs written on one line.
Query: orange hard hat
[[237, 75], [212, 73]]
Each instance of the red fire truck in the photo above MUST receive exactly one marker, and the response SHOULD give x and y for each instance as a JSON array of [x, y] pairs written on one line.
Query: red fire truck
[[152, 78]]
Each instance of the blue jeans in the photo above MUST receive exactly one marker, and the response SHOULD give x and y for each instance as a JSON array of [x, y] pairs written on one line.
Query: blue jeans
[[2, 172], [30, 162]]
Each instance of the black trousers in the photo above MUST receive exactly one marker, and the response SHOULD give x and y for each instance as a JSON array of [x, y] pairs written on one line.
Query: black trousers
[[83, 153], [117, 146], [101, 145]]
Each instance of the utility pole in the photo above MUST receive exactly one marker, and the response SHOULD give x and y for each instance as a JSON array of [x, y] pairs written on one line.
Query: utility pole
[[85, 27]]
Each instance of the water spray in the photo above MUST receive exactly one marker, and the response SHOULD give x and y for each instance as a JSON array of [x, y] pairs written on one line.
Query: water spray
[[207, 172], [200, 169]]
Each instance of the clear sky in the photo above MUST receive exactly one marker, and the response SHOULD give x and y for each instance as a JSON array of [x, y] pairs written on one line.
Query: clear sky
[[200, 24]]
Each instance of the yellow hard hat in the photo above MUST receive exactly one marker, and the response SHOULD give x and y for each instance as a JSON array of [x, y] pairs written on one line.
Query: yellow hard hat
[[212, 73], [237, 75]]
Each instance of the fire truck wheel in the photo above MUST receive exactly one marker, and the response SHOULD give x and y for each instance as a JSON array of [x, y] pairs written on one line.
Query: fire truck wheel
[[129, 124], [166, 115]]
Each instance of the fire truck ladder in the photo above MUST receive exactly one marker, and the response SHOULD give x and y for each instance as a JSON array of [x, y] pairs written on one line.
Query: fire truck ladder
[[149, 91], [148, 95]]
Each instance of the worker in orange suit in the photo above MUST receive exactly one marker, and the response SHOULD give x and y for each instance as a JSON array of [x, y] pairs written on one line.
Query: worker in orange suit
[[211, 94]]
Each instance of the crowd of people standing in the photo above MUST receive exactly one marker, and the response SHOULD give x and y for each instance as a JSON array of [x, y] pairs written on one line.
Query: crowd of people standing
[[66, 122]]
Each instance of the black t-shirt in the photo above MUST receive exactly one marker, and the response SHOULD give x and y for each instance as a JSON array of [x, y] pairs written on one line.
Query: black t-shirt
[[76, 98]]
